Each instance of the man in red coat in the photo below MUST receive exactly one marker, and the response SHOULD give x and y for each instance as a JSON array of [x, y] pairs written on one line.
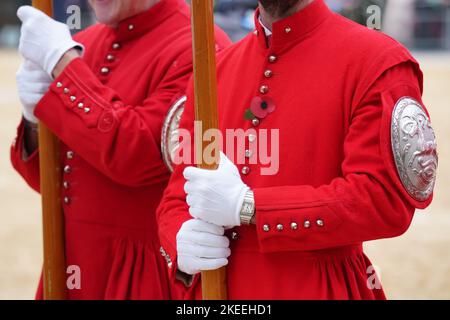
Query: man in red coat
[[332, 147], [114, 84]]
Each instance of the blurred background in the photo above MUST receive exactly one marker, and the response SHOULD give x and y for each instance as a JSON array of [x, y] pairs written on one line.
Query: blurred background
[[414, 266]]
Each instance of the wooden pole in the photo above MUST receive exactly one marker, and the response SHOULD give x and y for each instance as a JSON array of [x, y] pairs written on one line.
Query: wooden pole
[[52, 213], [214, 285]]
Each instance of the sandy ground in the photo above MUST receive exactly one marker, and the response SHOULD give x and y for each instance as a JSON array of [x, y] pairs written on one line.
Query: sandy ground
[[414, 266]]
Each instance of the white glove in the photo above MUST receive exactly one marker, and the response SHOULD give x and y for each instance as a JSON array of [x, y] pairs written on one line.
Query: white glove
[[32, 84], [201, 246], [43, 40], [215, 196]]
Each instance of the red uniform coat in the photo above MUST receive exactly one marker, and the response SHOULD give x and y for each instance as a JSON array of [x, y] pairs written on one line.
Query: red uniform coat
[[108, 109], [334, 85]]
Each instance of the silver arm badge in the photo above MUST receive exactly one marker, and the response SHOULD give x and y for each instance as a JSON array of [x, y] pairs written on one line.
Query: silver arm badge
[[414, 148], [170, 132]]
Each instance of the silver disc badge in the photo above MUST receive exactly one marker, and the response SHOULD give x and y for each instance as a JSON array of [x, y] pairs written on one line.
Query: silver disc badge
[[414, 148], [170, 132]]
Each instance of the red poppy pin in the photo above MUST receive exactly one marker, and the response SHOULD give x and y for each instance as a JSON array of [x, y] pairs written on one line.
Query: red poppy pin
[[260, 108]]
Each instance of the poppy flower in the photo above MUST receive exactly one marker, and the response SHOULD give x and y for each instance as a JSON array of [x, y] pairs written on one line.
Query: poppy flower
[[262, 107]]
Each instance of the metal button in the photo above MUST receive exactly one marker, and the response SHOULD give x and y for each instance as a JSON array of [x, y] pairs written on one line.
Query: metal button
[[245, 170], [66, 200], [248, 153], [87, 110], [131, 27], [255, 32], [104, 70], [66, 185], [256, 122], [307, 224], [280, 227], [81, 105], [272, 58], [287, 29], [73, 98], [320, 223], [59, 85], [110, 57], [234, 235], [251, 138], [268, 73], [70, 155], [116, 46], [264, 89], [66, 90], [67, 169], [294, 226], [266, 228], [163, 252]]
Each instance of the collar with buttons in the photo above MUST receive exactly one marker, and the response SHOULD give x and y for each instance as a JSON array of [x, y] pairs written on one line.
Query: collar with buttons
[[138, 25], [295, 27]]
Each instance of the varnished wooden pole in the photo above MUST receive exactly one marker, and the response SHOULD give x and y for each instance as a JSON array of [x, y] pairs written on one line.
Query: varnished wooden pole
[[52, 213], [214, 284]]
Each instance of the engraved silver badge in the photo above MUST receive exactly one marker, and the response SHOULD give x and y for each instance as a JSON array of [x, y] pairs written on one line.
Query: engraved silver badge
[[414, 148], [170, 134]]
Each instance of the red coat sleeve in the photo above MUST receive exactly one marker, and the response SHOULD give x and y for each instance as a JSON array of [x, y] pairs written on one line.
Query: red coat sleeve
[[121, 141], [26, 165], [368, 202]]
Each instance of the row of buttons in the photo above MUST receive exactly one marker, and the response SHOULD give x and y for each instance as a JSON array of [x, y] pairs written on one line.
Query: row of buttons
[[294, 225], [73, 98], [67, 170], [110, 58], [264, 89], [248, 153]]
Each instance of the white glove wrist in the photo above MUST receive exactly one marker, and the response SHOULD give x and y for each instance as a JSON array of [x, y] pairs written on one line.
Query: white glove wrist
[[216, 196], [55, 56]]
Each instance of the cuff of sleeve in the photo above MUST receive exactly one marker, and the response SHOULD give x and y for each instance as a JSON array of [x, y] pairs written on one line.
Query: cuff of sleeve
[[27, 166], [287, 224], [78, 94], [18, 146], [180, 280]]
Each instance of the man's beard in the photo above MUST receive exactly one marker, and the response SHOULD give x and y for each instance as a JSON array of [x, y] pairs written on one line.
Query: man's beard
[[278, 8]]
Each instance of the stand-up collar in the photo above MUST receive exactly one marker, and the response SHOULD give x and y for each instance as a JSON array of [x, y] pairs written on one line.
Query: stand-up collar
[[142, 23], [294, 27]]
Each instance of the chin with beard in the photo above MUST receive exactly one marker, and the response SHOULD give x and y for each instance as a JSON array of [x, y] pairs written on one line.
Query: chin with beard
[[278, 8]]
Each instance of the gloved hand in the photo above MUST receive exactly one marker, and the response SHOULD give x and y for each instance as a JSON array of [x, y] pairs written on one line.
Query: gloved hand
[[216, 196], [201, 246], [43, 40], [32, 84]]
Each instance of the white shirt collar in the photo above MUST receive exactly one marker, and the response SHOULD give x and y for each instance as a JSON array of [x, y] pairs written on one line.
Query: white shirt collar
[[267, 31]]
